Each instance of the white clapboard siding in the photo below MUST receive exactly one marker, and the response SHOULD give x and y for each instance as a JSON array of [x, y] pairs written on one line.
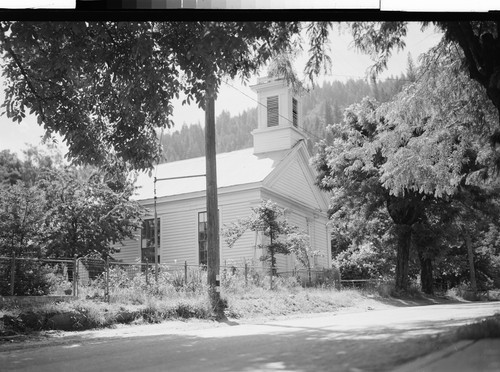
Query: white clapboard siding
[[130, 251], [296, 218], [179, 237], [244, 248], [320, 241], [294, 183]]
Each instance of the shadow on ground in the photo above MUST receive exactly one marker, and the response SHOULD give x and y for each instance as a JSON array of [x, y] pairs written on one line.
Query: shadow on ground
[[261, 347]]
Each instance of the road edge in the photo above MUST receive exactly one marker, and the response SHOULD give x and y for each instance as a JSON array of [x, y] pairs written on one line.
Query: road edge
[[419, 363]]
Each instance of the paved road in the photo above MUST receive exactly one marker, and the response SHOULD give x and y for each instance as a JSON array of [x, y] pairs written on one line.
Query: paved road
[[371, 341]]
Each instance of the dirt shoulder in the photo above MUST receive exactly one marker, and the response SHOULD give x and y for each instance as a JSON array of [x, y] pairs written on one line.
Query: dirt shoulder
[[140, 329]]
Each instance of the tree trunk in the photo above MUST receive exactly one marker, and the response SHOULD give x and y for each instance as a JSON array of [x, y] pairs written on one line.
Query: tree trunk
[[403, 256], [426, 277], [213, 259], [404, 211], [470, 254]]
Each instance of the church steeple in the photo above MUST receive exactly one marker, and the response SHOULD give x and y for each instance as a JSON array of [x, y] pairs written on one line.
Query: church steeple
[[278, 116]]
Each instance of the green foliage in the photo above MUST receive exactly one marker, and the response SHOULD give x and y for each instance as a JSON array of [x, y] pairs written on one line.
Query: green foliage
[[478, 42], [106, 87], [268, 219], [299, 244], [32, 278], [378, 39], [365, 262], [85, 215], [421, 157], [22, 220], [434, 132], [51, 210], [10, 168]]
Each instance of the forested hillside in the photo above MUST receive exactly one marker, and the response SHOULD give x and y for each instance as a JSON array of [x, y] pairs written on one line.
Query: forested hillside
[[322, 106]]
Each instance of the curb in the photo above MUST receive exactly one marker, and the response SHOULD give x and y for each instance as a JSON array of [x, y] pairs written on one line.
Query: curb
[[419, 363]]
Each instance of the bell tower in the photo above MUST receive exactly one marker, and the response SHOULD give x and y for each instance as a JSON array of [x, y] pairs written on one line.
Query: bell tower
[[278, 116]]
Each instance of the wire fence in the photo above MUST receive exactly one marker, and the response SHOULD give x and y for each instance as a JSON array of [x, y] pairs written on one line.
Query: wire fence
[[75, 277], [20, 276]]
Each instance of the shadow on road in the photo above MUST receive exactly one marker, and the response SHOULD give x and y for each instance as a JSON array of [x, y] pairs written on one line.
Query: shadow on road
[[276, 346]]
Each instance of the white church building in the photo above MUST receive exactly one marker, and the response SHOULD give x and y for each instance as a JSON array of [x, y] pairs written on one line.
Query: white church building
[[276, 168]]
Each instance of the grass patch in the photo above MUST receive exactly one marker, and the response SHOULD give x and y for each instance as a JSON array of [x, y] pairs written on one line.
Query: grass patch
[[137, 300], [285, 302], [486, 328]]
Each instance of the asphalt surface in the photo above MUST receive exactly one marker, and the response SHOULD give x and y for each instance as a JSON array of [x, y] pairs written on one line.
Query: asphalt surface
[[377, 340]]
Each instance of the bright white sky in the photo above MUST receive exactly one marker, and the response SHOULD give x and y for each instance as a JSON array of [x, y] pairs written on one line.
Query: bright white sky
[[347, 63]]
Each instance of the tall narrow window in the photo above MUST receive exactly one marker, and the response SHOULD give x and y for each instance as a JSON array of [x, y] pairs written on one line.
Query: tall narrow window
[[148, 240], [272, 111], [202, 238], [295, 113]]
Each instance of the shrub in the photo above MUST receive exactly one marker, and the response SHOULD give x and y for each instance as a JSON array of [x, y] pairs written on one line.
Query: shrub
[[363, 262], [32, 278]]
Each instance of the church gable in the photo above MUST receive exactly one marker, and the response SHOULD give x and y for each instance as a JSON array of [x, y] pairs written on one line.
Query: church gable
[[295, 180]]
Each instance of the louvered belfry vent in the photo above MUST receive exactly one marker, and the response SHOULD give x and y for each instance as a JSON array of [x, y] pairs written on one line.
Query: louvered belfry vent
[[272, 111], [278, 116]]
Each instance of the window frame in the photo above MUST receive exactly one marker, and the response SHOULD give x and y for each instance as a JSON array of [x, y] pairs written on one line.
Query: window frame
[[147, 235], [202, 254]]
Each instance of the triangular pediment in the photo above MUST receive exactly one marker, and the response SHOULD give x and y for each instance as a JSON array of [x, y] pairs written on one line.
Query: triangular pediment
[[294, 179]]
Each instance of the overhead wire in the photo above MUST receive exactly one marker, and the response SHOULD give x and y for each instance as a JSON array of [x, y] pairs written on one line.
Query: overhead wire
[[284, 117]]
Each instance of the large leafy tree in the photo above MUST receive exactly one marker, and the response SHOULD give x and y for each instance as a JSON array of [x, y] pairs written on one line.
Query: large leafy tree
[[22, 219], [479, 42], [10, 168], [413, 152], [85, 215], [107, 87], [55, 210], [351, 168]]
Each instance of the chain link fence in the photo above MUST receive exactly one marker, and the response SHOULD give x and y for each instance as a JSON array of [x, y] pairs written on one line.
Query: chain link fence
[[94, 277], [37, 277]]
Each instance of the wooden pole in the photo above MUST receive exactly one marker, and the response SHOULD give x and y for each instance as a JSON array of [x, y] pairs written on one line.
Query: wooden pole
[[75, 276], [156, 234], [107, 279], [213, 259]]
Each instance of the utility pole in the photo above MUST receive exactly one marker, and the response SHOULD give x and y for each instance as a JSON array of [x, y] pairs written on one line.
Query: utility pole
[[213, 259], [156, 234]]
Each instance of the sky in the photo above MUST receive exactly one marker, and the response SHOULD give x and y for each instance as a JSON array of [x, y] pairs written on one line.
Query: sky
[[235, 97]]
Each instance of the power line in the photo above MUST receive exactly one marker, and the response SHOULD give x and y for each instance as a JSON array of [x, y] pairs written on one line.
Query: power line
[[286, 118]]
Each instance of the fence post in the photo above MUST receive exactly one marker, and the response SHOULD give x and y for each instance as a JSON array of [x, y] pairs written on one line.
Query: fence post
[[185, 273], [13, 273], [107, 278]]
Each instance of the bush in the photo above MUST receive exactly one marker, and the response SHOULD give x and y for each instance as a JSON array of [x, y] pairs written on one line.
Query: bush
[[363, 262], [32, 278]]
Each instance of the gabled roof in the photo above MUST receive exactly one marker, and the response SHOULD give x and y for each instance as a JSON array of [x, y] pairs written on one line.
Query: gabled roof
[[233, 168]]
